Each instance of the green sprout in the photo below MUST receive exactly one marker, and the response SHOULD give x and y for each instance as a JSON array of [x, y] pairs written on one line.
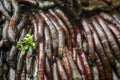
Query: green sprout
[[27, 43]]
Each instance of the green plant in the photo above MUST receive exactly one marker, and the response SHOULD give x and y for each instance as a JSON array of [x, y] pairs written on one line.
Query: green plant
[[27, 43]]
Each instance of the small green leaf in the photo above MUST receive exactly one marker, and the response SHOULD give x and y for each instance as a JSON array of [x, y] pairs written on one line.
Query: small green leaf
[[30, 49], [34, 45], [26, 47], [23, 52]]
